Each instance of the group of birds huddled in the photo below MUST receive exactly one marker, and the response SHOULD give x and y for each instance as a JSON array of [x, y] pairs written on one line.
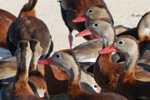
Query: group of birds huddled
[[113, 64]]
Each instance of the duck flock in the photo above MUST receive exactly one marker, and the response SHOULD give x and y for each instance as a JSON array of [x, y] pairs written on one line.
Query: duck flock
[[113, 64]]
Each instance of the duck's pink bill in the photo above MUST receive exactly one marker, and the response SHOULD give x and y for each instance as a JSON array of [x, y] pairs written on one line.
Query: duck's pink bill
[[41, 49], [99, 92], [95, 36], [108, 50], [84, 33], [46, 61], [82, 18]]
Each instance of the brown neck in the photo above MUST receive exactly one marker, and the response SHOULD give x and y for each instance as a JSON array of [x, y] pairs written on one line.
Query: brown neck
[[28, 9], [74, 78], [108, 39], [31, 13], [104, 61], [22, 71], [74, 89]]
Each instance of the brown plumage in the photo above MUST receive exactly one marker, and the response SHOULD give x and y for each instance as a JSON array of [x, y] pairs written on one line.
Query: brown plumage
[[6, 19], [21, 90], [72, 9], [36, 80], [56, 79], [129, 85], [65, 59], [29, 27], [35, 76], [106, 73]]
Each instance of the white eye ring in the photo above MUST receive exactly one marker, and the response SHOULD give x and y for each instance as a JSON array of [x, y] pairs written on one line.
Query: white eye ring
[[121, 42], [96, 25], [90, 10]]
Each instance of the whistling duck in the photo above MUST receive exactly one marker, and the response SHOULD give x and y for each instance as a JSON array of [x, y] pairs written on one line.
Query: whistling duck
[[86, 53], [6, 19], [70, 9], [21, 90], [29, 27], [36, 79], [129, 85], [65, 59], [141, 32], [104, 74], [55, 78]]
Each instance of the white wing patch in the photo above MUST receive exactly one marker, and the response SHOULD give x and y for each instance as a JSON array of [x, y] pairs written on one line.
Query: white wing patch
[[41, 92]]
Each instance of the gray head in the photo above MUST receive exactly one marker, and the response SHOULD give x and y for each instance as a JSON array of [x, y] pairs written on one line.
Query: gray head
[[65, 59], [126, 45], [100, 27], [96, 12], [104, 28]]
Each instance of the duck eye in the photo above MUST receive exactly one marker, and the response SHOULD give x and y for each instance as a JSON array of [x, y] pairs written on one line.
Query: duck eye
[[91, 10], [96, 25], [58, 56], [120, 42], [95, 86]]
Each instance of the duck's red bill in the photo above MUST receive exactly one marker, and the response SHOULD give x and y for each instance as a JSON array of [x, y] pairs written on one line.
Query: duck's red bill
[[46, 61], [108, 50], [84, 33], [82, 18], [95, 36], [99, 92]]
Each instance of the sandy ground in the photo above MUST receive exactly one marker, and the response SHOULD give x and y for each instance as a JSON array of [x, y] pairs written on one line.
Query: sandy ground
[[124, 12]]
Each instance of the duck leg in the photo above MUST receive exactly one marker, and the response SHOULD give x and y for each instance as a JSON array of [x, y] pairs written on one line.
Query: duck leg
[[70, 37]]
